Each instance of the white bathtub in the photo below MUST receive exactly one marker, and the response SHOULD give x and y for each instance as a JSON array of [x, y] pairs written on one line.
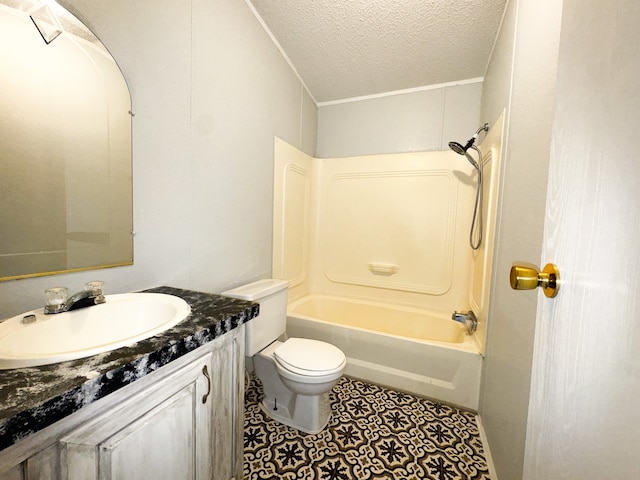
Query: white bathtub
[[405, 348]]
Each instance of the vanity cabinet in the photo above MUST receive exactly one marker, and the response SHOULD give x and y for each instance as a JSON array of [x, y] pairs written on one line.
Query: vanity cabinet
[[182, 422]]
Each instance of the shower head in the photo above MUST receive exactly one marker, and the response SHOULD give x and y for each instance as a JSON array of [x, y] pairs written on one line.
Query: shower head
[[456, 147], [462, 150]]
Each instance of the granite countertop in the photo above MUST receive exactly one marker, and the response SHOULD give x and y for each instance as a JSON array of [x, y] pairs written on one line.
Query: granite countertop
[[36, 397]]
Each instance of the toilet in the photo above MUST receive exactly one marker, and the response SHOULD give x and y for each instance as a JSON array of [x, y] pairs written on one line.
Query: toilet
[[296, 374]]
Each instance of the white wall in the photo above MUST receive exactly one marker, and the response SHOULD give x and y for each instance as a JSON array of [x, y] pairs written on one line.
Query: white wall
[[422, 120], [209, 92], [521, 78]]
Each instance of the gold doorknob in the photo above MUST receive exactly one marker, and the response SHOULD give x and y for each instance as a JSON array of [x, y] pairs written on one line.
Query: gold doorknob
[[528, 278]]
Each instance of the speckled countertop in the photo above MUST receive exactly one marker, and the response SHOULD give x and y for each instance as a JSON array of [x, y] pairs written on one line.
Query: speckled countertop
[[34, 398]]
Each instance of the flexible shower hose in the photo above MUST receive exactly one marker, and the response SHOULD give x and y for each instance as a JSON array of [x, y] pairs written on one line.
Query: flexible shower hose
[[476, 222]]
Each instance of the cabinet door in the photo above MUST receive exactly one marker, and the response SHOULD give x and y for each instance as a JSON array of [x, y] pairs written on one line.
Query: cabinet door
[[45, 465], [14, 473], [161, 433], [160, 444]]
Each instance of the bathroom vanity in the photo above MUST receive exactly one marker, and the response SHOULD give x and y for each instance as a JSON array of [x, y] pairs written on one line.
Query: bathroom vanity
[[170, 406]]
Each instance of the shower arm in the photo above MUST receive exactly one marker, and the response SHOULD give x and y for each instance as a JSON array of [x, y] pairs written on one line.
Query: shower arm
[[484, 128], [472, 140]]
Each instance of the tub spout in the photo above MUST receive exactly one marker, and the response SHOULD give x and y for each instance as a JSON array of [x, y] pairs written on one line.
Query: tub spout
[[468, 319]]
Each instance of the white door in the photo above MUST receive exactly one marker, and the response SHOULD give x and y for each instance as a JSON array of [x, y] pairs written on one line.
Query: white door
[[584, 414]]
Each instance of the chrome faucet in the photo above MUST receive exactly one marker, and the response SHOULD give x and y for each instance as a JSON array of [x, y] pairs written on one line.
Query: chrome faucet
[[57, 301], [468, 319]]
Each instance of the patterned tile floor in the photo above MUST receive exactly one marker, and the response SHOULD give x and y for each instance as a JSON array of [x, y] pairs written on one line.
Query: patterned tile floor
[[374, 433]]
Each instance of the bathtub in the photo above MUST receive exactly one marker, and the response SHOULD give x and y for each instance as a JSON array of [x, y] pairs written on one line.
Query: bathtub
[[404, 348]]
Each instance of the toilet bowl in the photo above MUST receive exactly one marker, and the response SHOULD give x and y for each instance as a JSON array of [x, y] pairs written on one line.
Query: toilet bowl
[[293, 394], [297, 374], [308, 364]]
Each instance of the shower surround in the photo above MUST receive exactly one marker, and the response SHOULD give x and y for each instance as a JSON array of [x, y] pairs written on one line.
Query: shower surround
[[376, 250]]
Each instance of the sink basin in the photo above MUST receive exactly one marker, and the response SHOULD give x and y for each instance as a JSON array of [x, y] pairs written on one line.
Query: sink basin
[[122, 320]]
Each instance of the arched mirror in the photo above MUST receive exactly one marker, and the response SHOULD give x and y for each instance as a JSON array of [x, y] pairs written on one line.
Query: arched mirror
[[65, 146]]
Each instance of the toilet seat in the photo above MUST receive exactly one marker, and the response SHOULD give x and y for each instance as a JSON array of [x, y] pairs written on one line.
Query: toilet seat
[[309, 358]]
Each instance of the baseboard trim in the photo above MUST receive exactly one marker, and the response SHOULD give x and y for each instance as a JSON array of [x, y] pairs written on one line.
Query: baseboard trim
[[487, 451]]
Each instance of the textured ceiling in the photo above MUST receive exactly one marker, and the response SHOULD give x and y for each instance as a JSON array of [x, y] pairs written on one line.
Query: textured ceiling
[[351, 48]]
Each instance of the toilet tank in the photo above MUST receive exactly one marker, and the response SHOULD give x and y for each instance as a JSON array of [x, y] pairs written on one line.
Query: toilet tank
[[264, 329]]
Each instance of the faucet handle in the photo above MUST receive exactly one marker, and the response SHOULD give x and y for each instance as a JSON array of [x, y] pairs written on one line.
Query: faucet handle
[[55, 299], [96, 287]]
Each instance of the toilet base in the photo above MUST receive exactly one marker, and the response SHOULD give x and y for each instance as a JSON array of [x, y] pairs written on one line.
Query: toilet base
[[311, 414]]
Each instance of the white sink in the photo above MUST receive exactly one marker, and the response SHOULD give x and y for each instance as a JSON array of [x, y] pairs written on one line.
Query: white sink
[[122, 320]]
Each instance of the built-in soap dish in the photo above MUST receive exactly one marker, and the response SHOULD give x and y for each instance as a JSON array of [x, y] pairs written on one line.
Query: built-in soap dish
[[386, 269]]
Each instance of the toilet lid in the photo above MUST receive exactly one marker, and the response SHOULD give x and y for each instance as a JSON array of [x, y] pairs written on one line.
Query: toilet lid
[[309, 357]]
